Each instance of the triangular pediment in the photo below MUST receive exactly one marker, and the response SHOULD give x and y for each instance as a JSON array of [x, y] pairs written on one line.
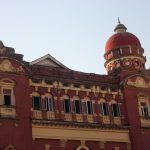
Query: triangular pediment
[[9, 147], [49, 61]]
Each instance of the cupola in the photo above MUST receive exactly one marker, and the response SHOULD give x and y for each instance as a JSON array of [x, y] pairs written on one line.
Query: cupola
[[123, 51]]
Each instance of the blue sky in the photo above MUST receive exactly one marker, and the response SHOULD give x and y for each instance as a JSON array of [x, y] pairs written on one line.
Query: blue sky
[[72, 31]]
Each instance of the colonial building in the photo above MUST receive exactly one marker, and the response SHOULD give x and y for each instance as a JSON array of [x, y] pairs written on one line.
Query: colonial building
[[46, 106]]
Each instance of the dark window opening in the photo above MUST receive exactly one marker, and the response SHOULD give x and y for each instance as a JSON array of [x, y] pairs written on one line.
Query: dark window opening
[[115, 110], [66, 105], [78, 106], [36, 103], [7, 97], [104, 109], [7, 100], [89, 107], [144, 110]]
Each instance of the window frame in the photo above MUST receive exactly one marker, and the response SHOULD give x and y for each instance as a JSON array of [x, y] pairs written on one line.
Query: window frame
[[78, 106], [90, 109], [116, 112], [104, 108], [48, 103]]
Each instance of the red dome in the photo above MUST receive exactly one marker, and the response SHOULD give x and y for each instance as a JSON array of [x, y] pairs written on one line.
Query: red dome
[[121, 39]]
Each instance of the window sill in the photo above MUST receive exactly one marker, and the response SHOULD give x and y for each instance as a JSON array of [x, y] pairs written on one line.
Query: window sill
[[8, 111]]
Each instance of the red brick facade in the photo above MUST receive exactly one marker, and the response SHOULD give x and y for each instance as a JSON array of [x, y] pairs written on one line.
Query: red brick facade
[[46, 106]]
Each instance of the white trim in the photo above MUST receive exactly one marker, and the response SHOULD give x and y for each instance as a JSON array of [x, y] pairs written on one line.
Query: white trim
[[84, 147]]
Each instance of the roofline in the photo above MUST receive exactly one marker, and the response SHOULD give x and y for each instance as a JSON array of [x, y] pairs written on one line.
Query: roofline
[[34, 62]]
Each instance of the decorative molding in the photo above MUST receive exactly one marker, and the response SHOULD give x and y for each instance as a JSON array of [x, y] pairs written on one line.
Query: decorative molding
[[9, 147], [139, 82], [6, 66], [82, 147]]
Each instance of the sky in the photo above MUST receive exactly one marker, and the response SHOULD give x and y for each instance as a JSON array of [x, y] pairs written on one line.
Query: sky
[[72, 31]]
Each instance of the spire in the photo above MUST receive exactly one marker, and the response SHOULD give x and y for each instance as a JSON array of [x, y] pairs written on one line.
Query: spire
[[118, 20], [120, 27]]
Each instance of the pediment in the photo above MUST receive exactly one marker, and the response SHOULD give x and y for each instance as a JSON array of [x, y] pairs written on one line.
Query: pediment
[[9, 147], [49, 61], [138, 81]]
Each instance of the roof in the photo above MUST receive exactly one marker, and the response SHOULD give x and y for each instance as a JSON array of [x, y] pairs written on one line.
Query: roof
[[122, 39], [48, 60]]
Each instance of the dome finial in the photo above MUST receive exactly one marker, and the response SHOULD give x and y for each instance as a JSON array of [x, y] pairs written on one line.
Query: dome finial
[[118, 20], [120, 27]]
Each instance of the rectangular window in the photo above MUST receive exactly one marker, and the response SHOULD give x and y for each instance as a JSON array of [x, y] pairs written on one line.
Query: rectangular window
[[67, 105], [89, 107], [36, 103], [115, 110], [104, 109], [144, 110], [77, 106], [7, 97]]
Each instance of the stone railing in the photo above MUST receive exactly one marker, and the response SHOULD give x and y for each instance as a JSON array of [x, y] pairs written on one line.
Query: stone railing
[[50, 115], [117, 120], [68, 117]]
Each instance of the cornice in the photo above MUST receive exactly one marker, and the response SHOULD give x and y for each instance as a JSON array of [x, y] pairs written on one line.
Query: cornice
[[79, 125]]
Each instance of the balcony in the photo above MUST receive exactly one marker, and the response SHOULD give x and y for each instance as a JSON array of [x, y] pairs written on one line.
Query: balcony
[[37, 114], [50, 115], [106, 119], [90, 118], [117, 120], [68, 117], [79, 117], [7, 111]]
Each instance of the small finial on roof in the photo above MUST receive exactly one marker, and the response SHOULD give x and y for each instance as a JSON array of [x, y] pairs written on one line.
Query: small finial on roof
[[118, 20], [120, 27]]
